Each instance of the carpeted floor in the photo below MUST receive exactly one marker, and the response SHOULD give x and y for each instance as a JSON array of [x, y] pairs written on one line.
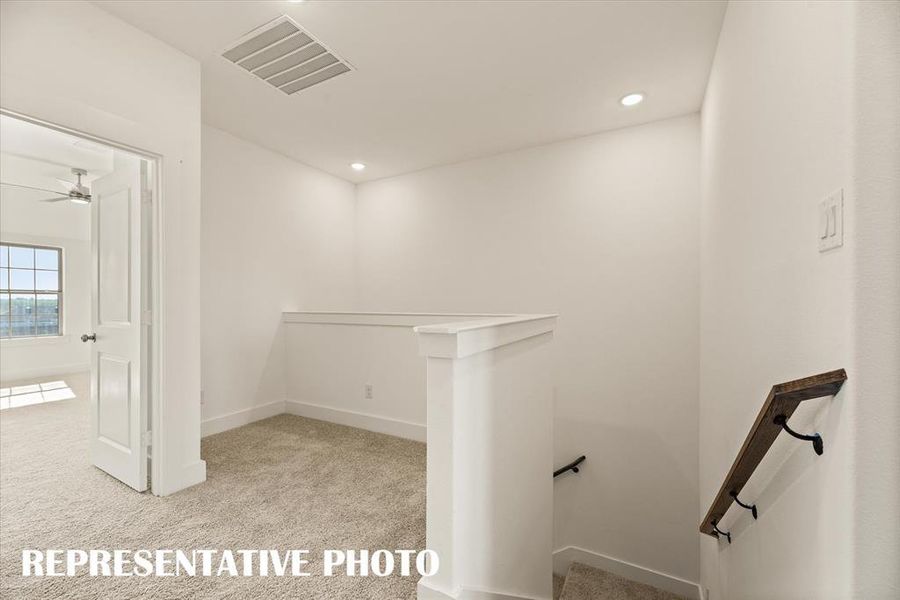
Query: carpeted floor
[[285, 482], [587, 583]]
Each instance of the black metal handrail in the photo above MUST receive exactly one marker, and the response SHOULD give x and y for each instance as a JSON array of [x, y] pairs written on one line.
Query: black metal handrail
[[572, 466]]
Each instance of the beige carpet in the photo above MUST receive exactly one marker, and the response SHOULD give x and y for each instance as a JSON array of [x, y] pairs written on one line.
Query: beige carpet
[[285, 482], [558, 582], [587, 583]]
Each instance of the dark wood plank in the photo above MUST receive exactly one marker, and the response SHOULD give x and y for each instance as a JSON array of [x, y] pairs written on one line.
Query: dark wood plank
[[783, 399]]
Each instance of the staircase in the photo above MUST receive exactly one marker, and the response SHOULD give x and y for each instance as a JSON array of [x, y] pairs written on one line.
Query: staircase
[[587, 583]]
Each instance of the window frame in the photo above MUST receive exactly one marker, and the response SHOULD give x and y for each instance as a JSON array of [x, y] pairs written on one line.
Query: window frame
[[60, 332]]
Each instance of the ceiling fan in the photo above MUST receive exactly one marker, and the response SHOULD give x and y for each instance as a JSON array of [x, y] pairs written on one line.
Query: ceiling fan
[[77, 193]]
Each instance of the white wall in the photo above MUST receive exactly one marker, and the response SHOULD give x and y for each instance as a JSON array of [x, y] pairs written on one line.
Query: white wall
[[331, 357], [39, 357], [146, 95], [329, 366], [277, 236], [876, 146], [25, 219], [778, 136], [604, 231]]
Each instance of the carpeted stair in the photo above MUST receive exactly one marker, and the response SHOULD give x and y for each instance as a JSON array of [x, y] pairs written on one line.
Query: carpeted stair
[[587, 583]]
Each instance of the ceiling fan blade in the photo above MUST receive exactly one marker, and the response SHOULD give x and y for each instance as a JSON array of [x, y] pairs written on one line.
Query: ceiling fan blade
[[30, 187], [60, 199]]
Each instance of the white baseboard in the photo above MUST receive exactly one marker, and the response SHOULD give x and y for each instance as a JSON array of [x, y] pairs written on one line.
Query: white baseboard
[[424, 591], [564, 557], [241, 417], [44, 371], [404, 429], [471, 594]]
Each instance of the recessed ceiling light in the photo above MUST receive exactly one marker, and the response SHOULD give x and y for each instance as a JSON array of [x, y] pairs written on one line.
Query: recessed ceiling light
[[632, 99], [357, 166]]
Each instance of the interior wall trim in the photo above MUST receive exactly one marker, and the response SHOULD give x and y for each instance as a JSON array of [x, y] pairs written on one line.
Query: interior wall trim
[[564, 557], [360, 420], [382, 319], [238, 418]]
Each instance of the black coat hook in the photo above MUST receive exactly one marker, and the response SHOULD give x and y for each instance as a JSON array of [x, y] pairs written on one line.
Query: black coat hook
[[719, 532], [815, 438], [750, 507]]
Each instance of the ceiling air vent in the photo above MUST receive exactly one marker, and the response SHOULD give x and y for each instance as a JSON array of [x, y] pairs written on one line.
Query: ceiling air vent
[[283, 55]]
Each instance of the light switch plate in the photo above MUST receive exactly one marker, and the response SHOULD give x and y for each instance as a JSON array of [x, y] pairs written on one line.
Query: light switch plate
[[831, 221]]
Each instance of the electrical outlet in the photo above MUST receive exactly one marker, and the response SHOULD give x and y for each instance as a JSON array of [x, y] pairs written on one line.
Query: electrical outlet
[[370, 391]]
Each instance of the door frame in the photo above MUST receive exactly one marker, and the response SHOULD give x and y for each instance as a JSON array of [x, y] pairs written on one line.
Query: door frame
[[150, 369]]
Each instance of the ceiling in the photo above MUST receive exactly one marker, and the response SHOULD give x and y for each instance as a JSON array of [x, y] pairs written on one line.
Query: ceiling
[[40, 157], [49, 154], [437, 82]]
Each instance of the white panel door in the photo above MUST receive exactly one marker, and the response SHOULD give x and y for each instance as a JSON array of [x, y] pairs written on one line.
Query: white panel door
[[118, 404]]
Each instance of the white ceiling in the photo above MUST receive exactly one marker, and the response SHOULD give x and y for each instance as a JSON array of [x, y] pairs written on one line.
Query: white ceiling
[[58, 152], [438, 82], [40, 157], [37, 156]]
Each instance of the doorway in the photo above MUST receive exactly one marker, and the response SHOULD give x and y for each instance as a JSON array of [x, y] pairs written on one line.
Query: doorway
[[76, 290]]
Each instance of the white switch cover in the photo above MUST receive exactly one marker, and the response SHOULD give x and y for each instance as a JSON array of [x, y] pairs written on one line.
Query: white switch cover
[[831, 221]]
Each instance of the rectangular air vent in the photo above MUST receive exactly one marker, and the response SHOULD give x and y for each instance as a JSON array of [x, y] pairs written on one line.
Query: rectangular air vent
[[286, 57]]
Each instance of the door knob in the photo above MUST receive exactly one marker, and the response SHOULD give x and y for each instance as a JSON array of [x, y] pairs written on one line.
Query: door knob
[[85, 337]]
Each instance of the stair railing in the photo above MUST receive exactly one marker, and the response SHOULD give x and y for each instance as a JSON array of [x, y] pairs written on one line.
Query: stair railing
[[780, 404], [572, 466]]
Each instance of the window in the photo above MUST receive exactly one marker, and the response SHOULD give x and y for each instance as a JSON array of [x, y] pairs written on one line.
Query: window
[[30, 290]]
